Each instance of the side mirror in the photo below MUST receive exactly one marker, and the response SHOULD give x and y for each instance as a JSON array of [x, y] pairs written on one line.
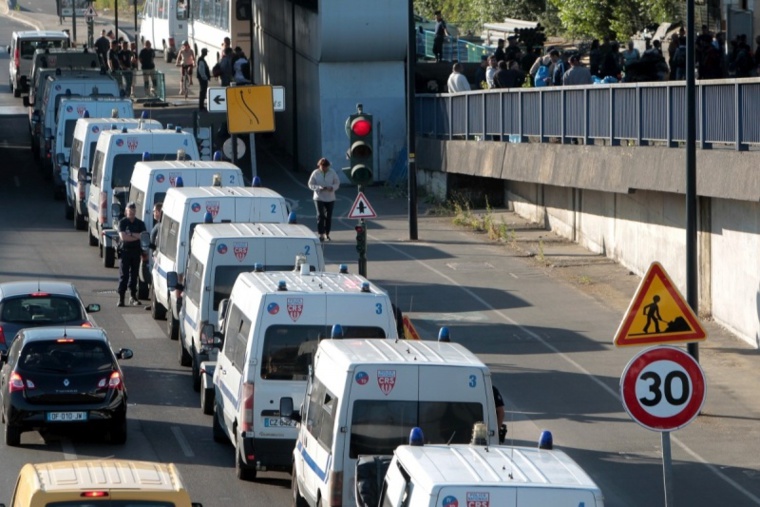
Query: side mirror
[[222, 312], [218, 339], [36, 116], [83, 175], [124, 354], [3, 358], [115, 209], [60, 159], [286, 409], [93, 308], [172, 280], [145, 240]]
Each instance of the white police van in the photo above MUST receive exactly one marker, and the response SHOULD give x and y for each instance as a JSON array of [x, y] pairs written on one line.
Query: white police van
[[186, 207], [86, 134], [218, 254], [273, 324], [116, 154], [476, 474], [70, 110], [363, 396]]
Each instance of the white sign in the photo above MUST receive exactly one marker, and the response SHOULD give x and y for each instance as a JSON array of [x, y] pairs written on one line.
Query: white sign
[[361, 208], [90, 13], [216, 99], [227, 148], [278, 98]]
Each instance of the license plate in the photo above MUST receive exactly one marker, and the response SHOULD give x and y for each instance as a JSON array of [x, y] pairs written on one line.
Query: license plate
[[66, 416], [277, 422]]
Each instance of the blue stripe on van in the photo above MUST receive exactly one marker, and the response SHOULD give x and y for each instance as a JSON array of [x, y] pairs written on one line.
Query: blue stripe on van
[[189, 320], [227, 393], [322, 474]]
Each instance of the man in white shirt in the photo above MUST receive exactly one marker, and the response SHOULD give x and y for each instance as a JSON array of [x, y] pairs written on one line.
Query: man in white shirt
[[491, 70], [457, 81]]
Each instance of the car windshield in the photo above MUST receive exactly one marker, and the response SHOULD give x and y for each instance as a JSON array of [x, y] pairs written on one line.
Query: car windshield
[[28, 47], [41, 310], [66, 354]]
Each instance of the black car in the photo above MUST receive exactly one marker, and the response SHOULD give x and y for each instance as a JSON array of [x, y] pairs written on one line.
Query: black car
[[57, 377], [40, 303]]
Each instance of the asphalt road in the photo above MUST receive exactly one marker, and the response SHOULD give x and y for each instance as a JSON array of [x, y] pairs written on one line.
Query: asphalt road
[[547, 342]]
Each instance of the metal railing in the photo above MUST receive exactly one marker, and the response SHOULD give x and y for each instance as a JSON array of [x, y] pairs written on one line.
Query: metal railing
[[453, 49], [145, 86], [636, 113]]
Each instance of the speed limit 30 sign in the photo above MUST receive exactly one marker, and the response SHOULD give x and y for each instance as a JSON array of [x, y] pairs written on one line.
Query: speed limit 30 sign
[[663, 388]]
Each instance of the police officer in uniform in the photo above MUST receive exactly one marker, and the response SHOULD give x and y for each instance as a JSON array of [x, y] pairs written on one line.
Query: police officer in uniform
[[130, 228]]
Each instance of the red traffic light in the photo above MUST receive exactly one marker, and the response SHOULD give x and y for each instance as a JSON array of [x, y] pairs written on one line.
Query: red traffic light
[[359, 229], [361, 126]]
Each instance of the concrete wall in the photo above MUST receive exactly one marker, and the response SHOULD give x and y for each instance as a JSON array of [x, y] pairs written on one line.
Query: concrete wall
[[628, 204]]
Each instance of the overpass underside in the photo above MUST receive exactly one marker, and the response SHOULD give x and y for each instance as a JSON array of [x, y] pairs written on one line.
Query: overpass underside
[[628, 203]]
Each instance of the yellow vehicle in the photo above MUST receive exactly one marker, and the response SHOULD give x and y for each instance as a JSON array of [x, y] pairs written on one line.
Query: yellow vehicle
[[114, 482]]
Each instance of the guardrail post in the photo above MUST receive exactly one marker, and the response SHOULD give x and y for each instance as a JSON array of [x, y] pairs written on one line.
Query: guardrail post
[[483, 112], [669, 137], [467, 117], [541, 135], [639, 118], [587, 118], [450, 122], [563, 116], [739, 146], [520, 98], [702, 100], [613, 141]]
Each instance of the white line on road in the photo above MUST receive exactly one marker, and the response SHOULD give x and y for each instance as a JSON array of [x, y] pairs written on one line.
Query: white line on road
[[182, 441], [143, 327], [513, 275], [549, 346]]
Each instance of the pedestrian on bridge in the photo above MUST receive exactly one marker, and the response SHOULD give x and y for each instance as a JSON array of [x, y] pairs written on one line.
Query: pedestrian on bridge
[[203, 75]]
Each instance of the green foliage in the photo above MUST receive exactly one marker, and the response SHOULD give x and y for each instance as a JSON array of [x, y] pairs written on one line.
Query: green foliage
[[623, 18]]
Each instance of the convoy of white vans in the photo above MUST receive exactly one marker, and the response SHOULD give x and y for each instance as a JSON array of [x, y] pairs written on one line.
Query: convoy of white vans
[[303, 370]]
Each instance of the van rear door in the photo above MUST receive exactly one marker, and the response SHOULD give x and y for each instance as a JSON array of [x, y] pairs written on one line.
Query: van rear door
[[382, 407]]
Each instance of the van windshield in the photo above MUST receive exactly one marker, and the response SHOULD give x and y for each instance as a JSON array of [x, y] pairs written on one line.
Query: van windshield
[[124, 166], [379, 426], [289, 349], [28, 47]]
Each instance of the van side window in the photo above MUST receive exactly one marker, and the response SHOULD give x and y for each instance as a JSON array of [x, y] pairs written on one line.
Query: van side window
[[236, 337], [224, 279], [97, 167], [194, 279], [138, 197], [76, 153], [167, 245], [68, 132], [321, 414]]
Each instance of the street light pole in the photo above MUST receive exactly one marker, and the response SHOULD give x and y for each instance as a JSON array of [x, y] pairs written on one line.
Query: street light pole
[[411, 58], [692, 276]]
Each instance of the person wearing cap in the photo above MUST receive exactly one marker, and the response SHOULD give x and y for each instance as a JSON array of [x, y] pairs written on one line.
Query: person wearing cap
[[130, 228], [324, 182], [577, 74], [203, 73]]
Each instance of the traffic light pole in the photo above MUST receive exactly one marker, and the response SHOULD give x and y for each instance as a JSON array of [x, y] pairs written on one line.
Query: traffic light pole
[[361, 246]]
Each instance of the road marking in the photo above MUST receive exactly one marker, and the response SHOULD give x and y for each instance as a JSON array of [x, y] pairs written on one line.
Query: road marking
[[69, 453], [142, 327], [514, 275], [546, 344], [182, 441]]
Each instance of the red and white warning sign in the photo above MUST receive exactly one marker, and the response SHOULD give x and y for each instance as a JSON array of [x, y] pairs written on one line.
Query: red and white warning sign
[[361, 208]]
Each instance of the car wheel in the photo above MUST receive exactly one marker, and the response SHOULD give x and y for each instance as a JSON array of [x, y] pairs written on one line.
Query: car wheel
[[69, 211], [109, 256], [185, 359], [243, 471], [196, 366], [298, 500], [92, 240], [207, 400], [12, 435], [220, 437], [157, 310], [172, 326], [118, 433]]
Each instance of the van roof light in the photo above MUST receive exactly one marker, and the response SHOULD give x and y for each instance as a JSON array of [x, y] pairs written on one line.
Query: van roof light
[[169, 126], [86, 114], [146, 156], [208, 218], [258, 267], [282, 285], [365, 286], [58, 72], [292, 218], [123, 130], [416, 437], [179, 182], [336, 331], [479, 434], [114, 113], [300, 260], [95, 90], [343, 269], [546, 440], [180, 154], [144, 115], [68, 92], [216, 180], [178, 129], [218, 156], [443, 334], [256, 182]]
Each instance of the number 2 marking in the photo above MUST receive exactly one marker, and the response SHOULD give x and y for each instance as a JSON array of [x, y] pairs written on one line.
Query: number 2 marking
[[307, 250], [274, 208]]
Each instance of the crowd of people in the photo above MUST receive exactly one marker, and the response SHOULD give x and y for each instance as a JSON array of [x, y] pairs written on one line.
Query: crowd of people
[[511, 66], [122, 59]]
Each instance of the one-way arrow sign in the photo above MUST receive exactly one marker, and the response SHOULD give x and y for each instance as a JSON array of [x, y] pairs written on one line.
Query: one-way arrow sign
[[216, 99], [361, 208]]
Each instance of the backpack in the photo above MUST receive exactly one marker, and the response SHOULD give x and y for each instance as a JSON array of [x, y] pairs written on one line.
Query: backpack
[[216, 70], [541, 75]]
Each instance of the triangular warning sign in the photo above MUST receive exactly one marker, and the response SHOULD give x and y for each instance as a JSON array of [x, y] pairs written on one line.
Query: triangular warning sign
[[361, 208], [658, 314]]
